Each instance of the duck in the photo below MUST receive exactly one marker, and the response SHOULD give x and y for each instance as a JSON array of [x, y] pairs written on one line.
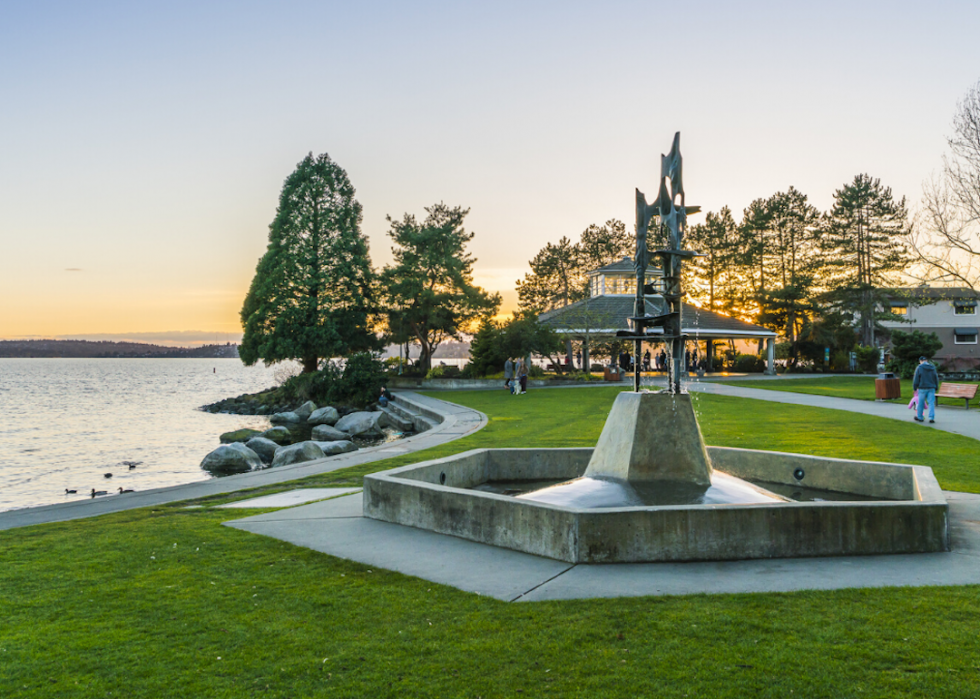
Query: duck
[[98, 492], [70, 492], [107, 475], [127, 490]]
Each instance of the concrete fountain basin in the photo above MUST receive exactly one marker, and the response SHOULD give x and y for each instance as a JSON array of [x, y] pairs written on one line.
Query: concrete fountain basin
[[908, 513]]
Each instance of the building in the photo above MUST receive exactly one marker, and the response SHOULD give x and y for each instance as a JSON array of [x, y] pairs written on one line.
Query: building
[[612, 293], [951, 313]]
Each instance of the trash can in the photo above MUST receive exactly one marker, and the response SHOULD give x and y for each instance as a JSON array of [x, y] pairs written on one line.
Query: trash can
[[887, 387], [612, 374]]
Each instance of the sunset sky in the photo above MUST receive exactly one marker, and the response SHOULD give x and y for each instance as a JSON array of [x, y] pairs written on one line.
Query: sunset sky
[[143, 145]]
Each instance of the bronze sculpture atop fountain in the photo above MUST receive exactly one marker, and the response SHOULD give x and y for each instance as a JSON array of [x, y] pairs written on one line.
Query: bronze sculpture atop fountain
[[669, 213]]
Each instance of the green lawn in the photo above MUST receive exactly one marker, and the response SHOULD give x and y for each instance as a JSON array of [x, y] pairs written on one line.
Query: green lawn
[[165, 602], [856, 387]]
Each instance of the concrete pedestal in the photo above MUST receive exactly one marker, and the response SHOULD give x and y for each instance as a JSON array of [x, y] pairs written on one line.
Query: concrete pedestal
[[651, 436]]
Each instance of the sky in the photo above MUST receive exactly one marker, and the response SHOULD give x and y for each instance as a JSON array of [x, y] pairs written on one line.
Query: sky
[[143, 146]]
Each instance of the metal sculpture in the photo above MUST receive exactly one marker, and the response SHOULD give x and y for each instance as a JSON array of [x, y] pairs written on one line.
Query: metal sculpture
[[670, 212]]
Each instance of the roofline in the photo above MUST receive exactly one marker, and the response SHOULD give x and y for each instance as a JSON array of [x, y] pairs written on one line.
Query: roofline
[[703, 332]]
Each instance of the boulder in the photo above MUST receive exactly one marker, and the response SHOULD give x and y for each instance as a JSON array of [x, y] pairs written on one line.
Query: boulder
[[326, 433], [324, 416], [279, 435], [362, 423], [304, 411], [242, 435], [265, 448], [231, 458], [284, 419], [297, 453], [334, 448]]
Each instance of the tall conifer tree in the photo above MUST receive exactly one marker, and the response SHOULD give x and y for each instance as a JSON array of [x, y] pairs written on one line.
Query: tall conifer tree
[[865, 247], [310, 297]]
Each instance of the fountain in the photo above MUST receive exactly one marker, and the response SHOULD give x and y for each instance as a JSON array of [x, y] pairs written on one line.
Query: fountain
[[651, 490]]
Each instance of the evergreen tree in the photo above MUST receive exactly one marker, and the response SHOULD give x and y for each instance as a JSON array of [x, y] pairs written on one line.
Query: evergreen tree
[[715, 280], [792, 239], [556, 278], [560, 273], [429, 290], [310, 297], [864, 246], [599, 246]]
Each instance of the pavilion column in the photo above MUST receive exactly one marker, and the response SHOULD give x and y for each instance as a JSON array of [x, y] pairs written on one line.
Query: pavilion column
[[770, 357]]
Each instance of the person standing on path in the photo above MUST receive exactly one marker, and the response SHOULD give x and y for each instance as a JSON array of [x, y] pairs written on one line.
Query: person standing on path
[[508, 374], [925, 381], [522, 375]]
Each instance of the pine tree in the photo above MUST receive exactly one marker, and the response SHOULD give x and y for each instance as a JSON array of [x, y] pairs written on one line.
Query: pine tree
[[715, 279], [864, 246], [429, 290], [311, 294], [556, 278]]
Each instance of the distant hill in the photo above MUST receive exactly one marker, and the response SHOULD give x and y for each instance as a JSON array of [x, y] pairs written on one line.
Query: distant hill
[[105, 350]]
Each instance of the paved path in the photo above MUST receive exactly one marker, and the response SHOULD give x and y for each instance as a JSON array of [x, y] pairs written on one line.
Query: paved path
[[948, 418], [457, 422], [338, 527]]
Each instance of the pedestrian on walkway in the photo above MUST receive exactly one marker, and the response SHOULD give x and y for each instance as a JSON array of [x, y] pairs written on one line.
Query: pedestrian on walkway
[[508, 374], [522, 375], [925, 381]]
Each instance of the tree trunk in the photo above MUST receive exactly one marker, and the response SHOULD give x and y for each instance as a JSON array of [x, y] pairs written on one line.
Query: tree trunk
[[310, 364]]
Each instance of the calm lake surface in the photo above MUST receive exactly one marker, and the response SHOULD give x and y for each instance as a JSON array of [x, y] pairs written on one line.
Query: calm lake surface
[[66, 422]]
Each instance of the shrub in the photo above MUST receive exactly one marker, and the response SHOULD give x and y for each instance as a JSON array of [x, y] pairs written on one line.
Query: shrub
[[867, 358], [361, 382], [908, 347], [315, 386], [749, 363], [443, 371]]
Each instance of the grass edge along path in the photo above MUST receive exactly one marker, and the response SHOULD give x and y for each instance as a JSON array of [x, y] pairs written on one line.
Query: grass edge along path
[[853, 387], [164, 601]]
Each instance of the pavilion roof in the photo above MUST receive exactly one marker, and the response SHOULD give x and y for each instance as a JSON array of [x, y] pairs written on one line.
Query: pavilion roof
[[605, 315]]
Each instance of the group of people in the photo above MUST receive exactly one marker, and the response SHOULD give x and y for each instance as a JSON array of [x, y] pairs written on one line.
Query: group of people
[[657, 362], [515, 376]]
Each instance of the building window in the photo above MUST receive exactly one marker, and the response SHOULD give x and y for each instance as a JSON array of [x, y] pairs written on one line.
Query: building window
[[965, 309], [965, 336], [900, 310], [621, 285]]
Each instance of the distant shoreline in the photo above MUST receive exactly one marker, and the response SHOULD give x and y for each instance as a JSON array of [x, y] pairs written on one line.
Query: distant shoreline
[[88, 349]]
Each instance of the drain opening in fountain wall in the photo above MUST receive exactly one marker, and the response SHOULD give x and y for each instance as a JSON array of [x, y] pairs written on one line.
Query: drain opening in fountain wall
[[442, 478], [798, 474]]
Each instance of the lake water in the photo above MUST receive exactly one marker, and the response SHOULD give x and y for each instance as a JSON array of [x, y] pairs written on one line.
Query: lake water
[[64, 423]]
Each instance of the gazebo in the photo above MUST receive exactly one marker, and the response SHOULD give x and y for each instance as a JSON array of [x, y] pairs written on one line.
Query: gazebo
[[612, 293]]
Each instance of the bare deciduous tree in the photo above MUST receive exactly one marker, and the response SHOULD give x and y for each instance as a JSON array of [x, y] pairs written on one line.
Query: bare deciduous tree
[[947, 239]]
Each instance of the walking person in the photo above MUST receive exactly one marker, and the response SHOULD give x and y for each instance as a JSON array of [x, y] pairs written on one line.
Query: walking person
[[925, 381], [522, 375], [509, 374]]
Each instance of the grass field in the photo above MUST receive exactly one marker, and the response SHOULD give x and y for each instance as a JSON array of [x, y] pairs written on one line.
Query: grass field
[[165, 602], [856, 387]]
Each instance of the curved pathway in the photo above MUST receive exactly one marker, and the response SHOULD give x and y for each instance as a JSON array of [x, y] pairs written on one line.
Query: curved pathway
[[948, 418], [457, 421]]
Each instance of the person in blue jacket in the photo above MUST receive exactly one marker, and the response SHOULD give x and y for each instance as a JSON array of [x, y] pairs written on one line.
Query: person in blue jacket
[[925, 381]]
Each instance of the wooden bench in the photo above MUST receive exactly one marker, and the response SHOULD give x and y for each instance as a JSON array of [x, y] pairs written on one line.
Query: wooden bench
[[966, 391]]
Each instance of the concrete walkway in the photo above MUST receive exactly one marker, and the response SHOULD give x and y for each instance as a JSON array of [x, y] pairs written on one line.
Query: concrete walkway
[[948, 418], [457, 421], [338, 527]]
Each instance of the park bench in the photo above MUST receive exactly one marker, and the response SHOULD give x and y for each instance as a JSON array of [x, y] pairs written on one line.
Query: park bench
[[966, 391]]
